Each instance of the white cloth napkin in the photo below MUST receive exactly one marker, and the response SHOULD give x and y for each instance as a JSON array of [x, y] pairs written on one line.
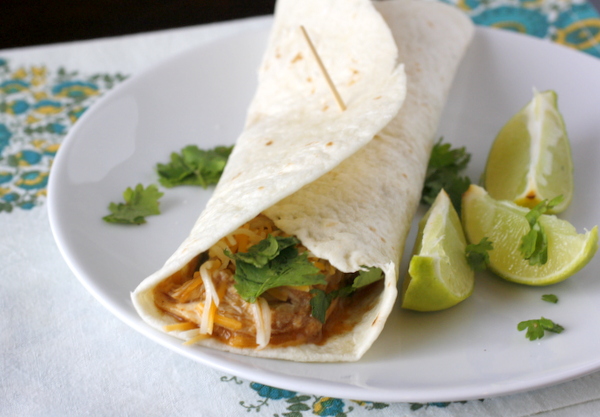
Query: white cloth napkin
[[63, 354]]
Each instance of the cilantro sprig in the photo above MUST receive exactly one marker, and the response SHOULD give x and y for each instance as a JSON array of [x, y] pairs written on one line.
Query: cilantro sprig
[[194, 166], [139, 203], [321, 300], [537, 328], [534, 244], [273, 262], [443, 171], [550, 298], [477, 254]]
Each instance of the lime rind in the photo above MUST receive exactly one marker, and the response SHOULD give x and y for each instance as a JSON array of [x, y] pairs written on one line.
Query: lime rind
[[424, 292], [550, 172], [438, 275], [530, 159], [504, 224]]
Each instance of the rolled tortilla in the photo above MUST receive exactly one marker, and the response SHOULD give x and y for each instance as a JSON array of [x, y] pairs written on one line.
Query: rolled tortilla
[[347, 184]]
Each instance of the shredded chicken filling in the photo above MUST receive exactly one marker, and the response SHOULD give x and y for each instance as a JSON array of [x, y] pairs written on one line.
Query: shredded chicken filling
[[203, 298]]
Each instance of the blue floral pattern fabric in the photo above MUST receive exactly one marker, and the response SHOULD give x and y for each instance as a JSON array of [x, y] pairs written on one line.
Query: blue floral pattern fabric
[[573, 23], [278, 403], [37, 108], [298, 405]]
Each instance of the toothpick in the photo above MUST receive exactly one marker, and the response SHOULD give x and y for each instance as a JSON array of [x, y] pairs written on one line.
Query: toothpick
[[334, 91]]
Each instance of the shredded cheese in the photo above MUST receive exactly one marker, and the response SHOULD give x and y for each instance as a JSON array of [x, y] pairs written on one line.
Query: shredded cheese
[[305, 288], [223, 321], [242, 241], [230, 240], [228, 322], [186, 291], [247, 232], [222, 290], [196, 339], [217, 251], [262, 318], [179, 327], [211, 315], [266, 317], [207, 320]]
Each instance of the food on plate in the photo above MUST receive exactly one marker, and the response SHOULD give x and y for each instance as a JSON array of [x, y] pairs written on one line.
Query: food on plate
[[550, 298], [331, 192], [444, 171], [478, 254], [194, 166], [505, 224], [530, 159], [438, 276], [534, 243], [139, 203], [537, 328]]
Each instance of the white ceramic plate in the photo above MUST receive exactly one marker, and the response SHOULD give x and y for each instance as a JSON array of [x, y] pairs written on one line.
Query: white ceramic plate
[[471, 351]]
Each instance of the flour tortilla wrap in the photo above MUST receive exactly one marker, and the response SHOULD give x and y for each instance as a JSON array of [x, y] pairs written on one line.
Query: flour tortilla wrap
[[347, 184]]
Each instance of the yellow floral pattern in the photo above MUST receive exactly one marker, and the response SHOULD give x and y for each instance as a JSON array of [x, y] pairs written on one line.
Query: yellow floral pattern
[[573, 23], [37, 108]]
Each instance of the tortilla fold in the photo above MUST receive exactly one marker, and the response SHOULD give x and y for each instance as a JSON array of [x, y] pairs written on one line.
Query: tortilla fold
[[346, 183]]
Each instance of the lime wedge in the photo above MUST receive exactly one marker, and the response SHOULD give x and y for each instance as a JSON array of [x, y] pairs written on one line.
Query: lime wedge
[[504, 223], [438, 276], [530, 159]]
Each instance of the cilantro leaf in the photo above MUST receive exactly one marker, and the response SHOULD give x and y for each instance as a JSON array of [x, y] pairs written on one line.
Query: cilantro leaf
[[551, 298], [320, 303], [534, 244], [367, 277], [139, 203], [266, 250], [536, 328], [477, 255], [272, 264], [445, 165], [194, 166], [321, 300]]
